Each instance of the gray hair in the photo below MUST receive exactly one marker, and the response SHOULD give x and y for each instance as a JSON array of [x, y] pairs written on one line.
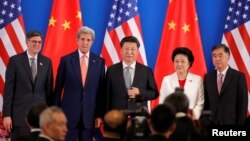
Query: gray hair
[[86, 30], [46, 116]]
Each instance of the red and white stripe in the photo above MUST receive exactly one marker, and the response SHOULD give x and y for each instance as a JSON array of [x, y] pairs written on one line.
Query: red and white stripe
[[111, 47], [12, 41]]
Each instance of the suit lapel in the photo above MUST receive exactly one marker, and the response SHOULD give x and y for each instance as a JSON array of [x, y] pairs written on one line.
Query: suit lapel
[[121, 76], [91, 67], [137, 75], [40, 67], [26, 64], [227, 79], [188, 83], [174, 81], [214, 82], [76, 65]]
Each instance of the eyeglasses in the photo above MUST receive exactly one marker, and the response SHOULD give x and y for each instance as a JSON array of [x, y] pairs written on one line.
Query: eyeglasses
[[35, 42], [218, 56]]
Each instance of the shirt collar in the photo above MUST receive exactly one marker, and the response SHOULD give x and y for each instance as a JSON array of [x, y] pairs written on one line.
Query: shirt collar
[[35, 129], [81, 54], [223, 72], [29, 56], [125, 65], [180, 114], [44, 136]]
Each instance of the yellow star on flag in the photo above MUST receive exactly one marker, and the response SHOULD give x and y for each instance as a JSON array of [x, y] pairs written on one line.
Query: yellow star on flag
[[186, 28], [66, 25], [171, 25], [79, 15], [52, 21]]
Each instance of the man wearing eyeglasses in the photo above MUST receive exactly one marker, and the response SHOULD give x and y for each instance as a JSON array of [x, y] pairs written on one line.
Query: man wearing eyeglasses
[[28, 80]]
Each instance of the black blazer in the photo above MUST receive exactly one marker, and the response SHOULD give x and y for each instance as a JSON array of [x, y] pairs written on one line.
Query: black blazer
[[34, 134], [157, 137], [20, 92], [230, 106], [116, 91], [42, 139]]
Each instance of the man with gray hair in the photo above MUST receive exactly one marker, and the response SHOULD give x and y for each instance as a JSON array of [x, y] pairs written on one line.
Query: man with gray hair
[[53, 123], [80, 77]]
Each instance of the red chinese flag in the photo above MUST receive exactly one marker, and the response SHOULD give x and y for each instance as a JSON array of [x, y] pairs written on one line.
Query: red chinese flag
[[181, 29], [64, 22]]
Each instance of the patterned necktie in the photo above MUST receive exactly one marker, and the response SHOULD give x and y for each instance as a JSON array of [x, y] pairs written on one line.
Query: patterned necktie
[[33, 68], [219, 81], [83, 69], [127, 77]]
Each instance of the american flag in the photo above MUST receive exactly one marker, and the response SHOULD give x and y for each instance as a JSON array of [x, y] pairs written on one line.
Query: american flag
[[12, 36], [123, 21], [237, 37]]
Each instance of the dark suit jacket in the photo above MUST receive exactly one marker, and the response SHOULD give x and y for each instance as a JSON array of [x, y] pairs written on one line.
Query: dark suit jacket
[[230, 106], [184, 129], [157, 137], [42, 139], [79, 101], [20, 92], [117, 97], [34, 134]]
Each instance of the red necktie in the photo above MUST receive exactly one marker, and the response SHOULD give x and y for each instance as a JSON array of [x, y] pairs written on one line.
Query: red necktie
[[219, 81], [83, 69]]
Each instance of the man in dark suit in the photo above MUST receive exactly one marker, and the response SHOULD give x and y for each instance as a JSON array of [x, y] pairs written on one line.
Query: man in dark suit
[[53, 123], [81, 77], [29, 80], [225, 89], [129, 83]]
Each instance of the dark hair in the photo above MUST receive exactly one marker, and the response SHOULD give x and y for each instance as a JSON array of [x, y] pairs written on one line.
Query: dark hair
[[34, 113], [33, 33], [184, 51], [132, 39], [226, 48], [179, 101], [162, 117]]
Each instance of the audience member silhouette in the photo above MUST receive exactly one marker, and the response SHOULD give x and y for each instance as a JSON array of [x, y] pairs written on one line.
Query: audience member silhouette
[[115, 124], [33, 119], [185, 128], [162, 123]]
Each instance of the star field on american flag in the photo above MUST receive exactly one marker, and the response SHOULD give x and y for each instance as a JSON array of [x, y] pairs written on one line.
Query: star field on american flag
[[121, 12], [238, 13], [10, 10]]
